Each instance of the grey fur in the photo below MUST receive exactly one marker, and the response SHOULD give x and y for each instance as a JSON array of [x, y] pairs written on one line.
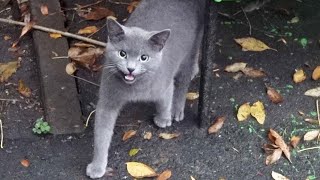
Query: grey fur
[[170, 33]]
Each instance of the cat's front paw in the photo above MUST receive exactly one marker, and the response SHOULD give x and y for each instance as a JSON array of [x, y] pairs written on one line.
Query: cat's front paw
[[94, 171], [162, 122]]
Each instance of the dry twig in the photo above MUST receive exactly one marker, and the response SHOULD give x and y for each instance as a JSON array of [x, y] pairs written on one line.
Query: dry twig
[[1, 138], [45, 29], [87, 121]]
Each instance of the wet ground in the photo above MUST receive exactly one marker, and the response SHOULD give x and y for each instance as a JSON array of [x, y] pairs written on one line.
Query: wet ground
[[234, 153]]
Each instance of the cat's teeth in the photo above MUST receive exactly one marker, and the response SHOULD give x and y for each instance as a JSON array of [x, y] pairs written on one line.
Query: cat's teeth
[[129, 77]]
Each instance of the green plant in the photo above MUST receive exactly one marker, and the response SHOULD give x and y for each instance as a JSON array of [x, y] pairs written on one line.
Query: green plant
[[41, 127]]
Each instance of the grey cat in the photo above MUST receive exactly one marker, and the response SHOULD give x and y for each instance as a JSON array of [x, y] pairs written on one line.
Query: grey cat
[[152, 58]]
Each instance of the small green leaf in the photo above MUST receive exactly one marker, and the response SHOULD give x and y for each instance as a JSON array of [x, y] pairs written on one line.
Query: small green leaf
[[303, 42], [313, 113], [45, 123], [37, 125], [47, 128], [42, 128], [133, 152], [311, 177], [34, 130], [38, 131]]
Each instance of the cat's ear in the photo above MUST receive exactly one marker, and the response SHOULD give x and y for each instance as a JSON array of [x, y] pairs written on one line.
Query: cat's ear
[[158, 39], [115, 30]]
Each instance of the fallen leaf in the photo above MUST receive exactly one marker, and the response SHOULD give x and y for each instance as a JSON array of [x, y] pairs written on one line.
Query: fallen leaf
[[280, 142], [274, 96], [243, 112], [294, 20], [85, 56], [252, 44], [24, 31], [25, 163], [235, 67], [257, 111], [132, 6], [169, 136], [214, 128], [299, 76], [311, 121], [23, 89], [88, 30], [140, 170], [315, 92], [97, 13], [295, 141], [133, 152], [311, 135], [275, 156], [71, 68], [7, 69], [165, 175], [147, 135], [128, 134], [6, 37], [278, 176], [254, 73], [192, 95], [316, 73], [192, 178], [44, 10], [55, 35]]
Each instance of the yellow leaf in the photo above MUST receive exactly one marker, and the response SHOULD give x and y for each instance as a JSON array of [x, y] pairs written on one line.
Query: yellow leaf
[[23, 89], [88, 30], [7, 69], [71, 68], [147, 135], [140, 170], [133, 152], [258, 112], [316, 73], [299, 76], [55, 35], [127, 135], [311, 135], [192, 95], [278, 176], [252, 44], [243, 112], [169, 136], [165, 175], [235, 67]]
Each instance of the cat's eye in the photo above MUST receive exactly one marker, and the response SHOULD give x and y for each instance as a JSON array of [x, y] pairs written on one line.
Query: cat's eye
[[144, 58], [122, 54]]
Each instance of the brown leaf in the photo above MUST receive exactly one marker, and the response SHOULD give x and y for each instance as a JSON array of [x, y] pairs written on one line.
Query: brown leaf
[[165, 175], [97, 13], [280, 142], [6, 37], [278, 176], [299, 76], [44, 9], [169, 136], [24, 31], [55, 35], [128, 134], [23, 89], [214, 128], [147, 135], [25, 163], [269, 148], [274, 96], [295, 141], [85, 56], [88, 30], [275, 156], [311, 135], [311, 121], [235, 67], [316, 73], [132, 6], [71, 68], [254, 73], [140, 170], [7, 69]]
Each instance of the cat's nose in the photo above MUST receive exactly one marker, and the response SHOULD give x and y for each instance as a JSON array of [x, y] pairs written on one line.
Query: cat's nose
[[130, 70]]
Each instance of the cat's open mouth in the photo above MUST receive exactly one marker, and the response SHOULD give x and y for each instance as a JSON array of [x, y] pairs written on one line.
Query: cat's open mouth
[[129, 78]]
